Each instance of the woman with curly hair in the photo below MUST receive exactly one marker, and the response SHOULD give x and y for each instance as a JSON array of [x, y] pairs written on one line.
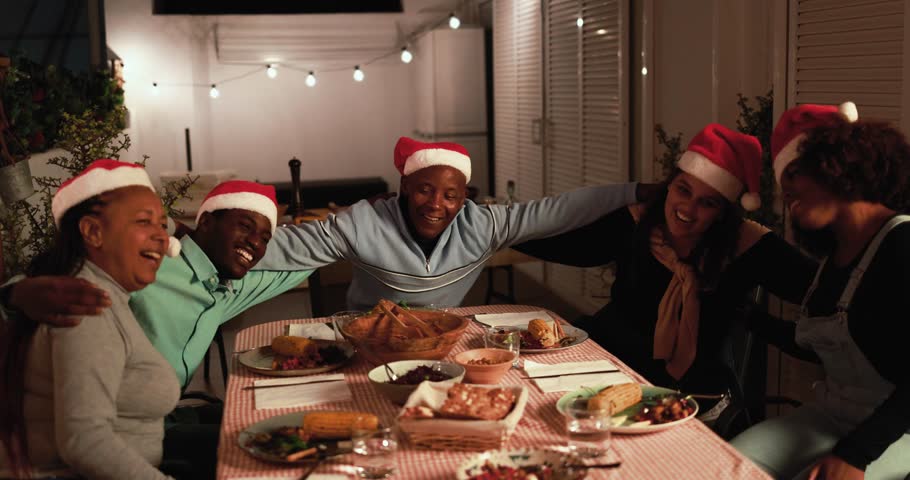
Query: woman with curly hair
[[684, 262], [845, 184]]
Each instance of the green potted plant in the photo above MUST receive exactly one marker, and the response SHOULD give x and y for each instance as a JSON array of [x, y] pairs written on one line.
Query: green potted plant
[[15, 176]]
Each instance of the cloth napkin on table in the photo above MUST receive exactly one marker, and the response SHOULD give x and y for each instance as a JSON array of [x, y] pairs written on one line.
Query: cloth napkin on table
[[300, 395], [566, 382], [316, 331], [313, 476], [519, 319]]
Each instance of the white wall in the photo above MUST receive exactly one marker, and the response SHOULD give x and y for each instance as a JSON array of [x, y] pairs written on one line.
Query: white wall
[[703, 52], [338, 129]]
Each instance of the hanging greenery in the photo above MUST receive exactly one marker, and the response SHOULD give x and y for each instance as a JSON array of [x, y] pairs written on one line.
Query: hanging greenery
[[752, 120]]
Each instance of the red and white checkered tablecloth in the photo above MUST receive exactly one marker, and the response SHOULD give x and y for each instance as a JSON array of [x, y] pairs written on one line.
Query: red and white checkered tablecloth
[[689, 451]]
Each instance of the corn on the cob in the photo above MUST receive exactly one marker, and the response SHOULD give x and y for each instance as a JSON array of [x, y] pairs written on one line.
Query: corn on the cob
[[616, 397], [338, 424]]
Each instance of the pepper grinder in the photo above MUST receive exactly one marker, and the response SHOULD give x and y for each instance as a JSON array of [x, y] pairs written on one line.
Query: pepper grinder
[[295, 209]]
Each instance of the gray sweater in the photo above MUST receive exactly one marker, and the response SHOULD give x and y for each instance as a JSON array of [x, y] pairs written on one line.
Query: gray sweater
[[96, 394], [389, 263]]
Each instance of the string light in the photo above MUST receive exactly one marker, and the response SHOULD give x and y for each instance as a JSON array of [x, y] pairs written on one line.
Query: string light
[[272, 71], [406, 56], [580, 22], [454, 22]]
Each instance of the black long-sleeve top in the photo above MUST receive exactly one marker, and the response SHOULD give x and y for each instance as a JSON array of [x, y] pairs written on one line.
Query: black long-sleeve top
[[877, 322], [625, 326]]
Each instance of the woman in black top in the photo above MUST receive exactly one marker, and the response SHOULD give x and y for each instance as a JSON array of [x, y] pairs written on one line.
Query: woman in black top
[[845, 183], [728, 256]]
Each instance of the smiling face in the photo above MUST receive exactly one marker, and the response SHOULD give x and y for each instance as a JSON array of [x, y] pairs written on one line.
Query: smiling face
[[128, 236], [811, 206], [434, 195], [233, 239], [692, 207]]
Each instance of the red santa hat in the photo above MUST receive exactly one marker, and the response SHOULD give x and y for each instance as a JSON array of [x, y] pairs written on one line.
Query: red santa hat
[[102, 176], [791, 129], [728, 161], [243, 195], [411, 155]]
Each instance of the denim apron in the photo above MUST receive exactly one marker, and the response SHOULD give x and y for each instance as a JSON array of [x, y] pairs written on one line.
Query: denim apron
[[852, 387]]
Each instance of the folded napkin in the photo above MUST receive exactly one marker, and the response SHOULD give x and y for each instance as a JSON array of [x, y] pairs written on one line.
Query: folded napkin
[[317, 331], [573, 375], [301, 395], [313, 476], [520, 319]]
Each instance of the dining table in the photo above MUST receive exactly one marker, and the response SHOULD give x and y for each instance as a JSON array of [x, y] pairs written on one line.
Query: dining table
[[689, 450]]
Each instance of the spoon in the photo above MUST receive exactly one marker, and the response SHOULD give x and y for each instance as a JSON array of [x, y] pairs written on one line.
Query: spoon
[[388, 371]]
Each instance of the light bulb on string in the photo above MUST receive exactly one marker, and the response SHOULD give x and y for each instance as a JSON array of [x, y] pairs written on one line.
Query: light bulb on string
[[271, 71], [580, 22], [310, 80], [454, 22], [358, 74], [155, 89], [214, 93], [406, 55]]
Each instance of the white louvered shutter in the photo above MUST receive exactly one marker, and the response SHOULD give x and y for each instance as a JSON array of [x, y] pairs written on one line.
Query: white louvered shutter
[[586, 116], [848, 50], [517, 96]]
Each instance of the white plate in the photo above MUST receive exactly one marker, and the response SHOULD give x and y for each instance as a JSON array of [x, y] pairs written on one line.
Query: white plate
[[327, 448], [579, 337], [513, 458], [259, 360], [622, 421]]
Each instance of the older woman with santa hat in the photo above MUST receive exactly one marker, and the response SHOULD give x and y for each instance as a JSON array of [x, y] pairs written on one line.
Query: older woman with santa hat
[[90, 400], [845, 185], [685, 262]]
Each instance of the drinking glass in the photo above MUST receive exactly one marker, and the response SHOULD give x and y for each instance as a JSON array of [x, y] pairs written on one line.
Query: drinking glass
[[588, 431], [374, 452], [504, 337], [340, 319]]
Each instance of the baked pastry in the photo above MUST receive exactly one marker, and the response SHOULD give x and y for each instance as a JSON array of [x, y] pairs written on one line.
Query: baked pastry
[[294, 346], [618, 397], [477, 403], [542, 332]]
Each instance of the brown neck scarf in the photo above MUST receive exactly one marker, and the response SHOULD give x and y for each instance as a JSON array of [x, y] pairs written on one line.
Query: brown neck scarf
[[676, 332]]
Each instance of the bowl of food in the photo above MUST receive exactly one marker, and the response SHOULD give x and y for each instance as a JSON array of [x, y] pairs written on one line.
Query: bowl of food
[[409, 374], [485, 365], [390, 333]]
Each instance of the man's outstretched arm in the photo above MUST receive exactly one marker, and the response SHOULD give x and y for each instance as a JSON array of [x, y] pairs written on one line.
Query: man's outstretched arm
[[56, 300]]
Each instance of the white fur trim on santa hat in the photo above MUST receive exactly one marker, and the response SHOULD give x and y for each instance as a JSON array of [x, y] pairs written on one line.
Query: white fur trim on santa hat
[[173, 247], [429, 157], [711, 173], [253, 202], [96, 182], [786, 155]]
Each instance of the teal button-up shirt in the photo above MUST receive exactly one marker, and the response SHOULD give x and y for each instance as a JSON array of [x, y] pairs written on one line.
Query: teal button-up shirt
[[181, 311]]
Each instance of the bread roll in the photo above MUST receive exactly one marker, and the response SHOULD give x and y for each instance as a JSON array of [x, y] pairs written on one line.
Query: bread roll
[[618, 397], [294, 346], [540, 330]]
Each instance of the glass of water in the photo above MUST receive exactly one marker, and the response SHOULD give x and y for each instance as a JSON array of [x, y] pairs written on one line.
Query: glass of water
[[588, 431], [341, 319], [504, 337], [374, 452]]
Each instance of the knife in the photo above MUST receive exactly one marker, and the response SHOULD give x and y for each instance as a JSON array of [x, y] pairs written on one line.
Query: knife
[[253, 387], [565, 374]]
